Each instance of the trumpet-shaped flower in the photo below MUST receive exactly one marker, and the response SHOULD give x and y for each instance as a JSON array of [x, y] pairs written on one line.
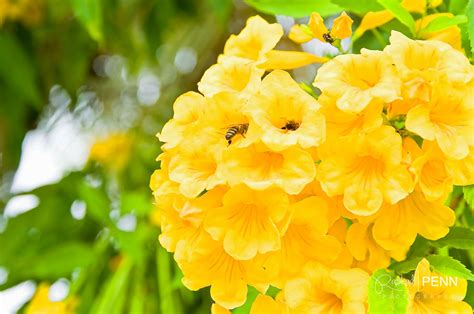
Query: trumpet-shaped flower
[[260, 168], [285, 115], [228, 277], [231, 74], [341, 29], [324, 290], [249, 222], [428, 296], [423, 63], [305, 239], [450, 35], [359, 80], [373, 20], [365, 169], [264, 304], [462, 170], [447, 119]]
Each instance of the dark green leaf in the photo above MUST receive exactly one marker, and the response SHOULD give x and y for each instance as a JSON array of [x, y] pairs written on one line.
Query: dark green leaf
[[405, 266], [387, 293], [295, 8], [359, 7], [458, 237], [469, 195], [449, 266], [399, 12]]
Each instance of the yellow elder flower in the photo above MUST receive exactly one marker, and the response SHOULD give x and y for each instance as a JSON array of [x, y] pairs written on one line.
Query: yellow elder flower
[[340, 123], [260, 168], [160, 182], [41, 304], [285, 115], [422, 63], [462, 170], [365, 169], [428, 295], [373, 20], [447, 119], [217, 309], [397, 225], [231, 74], [359, 80], [432, 173], [324, 290], [341, 28], [113, 151], [418, 6], [264, 304], [211, 266], [188, 111], [450, 35], [249, 222]]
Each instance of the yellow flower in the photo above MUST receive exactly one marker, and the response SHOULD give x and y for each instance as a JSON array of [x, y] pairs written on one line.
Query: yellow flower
[[340, 123], [264, 304], [217, 309], [324, 290], [255, 40], [397, 225], [450, 35], [41, 304], [112, 152], [228, 277], [285, 115], [365, 169], [260, 168], [432, 173], [341, 29], [305, 239], [428, 293], [446, 119], [249, 222], [359, 80], [160, 182], [231, 74], [462, 170], [188, 111], [373, 20], [423, 63], [418, 6]]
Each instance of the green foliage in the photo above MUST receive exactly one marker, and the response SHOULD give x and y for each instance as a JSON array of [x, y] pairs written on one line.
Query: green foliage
[[470, 23], [399, 12], [295, 8], [360, 7], [447, 265], [387, 293], [89, 12], [443, 22], [458, 237], [468, 192]]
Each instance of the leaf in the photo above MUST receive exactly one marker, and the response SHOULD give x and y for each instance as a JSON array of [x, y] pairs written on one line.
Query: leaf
[[444, 22], [405, 266], [449, 266], [470, 28], [458, 237], [387, 293], [399, 12], [89, 13], [294, 8], [469, 195], [457, 6], [359, 7]]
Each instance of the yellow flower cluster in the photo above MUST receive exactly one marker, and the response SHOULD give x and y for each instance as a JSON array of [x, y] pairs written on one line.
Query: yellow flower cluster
[[41, 304], [261, 184]]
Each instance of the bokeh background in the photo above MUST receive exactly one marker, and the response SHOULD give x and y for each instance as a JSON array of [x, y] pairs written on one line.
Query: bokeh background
[[84, 87]]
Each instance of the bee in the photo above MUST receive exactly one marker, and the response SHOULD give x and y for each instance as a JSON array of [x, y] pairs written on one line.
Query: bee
[[291, 125], [235, 129]]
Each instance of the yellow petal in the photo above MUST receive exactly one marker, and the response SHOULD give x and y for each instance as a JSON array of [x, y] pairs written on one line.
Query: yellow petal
[[286, 60], [316, 24], [342, 26], [417, 6], [373, 20], [299, 34]]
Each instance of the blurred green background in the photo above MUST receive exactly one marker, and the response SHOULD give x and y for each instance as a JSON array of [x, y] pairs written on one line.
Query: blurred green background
[[78, 74]]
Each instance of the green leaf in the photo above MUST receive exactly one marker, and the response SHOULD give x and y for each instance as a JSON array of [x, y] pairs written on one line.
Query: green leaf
[[449, 266], [458, 237], [469, 195], [295, 8], [444, 22], [89, 13], [470, 25], [359, 7], [399, 12], [387, 293], [457, 6], [405, 266]]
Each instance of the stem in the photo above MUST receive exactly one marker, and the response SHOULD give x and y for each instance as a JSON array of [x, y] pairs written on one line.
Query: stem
[[379, 37]]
